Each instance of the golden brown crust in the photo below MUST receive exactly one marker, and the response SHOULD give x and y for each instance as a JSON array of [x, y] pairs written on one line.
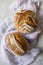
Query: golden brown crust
[[16, 43], [24, 18]]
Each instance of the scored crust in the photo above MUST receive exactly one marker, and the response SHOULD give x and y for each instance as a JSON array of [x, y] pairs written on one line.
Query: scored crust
[[16, 43], [25, 21]]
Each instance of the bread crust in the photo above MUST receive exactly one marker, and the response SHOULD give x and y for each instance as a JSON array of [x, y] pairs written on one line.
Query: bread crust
[[25, 21], [16, 43]]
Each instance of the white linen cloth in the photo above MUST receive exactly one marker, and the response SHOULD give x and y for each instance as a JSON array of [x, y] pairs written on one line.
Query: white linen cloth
[[7, 25]]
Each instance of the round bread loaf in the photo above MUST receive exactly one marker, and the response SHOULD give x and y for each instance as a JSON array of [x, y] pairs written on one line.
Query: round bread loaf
[[16, 43], [25, 21]]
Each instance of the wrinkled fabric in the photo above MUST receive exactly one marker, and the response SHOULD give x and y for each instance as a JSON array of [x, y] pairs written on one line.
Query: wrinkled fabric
[[7, 26]]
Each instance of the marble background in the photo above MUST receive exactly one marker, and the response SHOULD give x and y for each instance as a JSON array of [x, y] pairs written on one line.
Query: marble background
[[5, 12]]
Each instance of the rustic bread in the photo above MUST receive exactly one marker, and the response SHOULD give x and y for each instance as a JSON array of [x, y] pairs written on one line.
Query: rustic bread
[[25, 21], [16, 43]]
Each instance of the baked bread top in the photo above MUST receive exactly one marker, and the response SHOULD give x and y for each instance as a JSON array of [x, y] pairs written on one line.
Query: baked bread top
[[16, 43], [25, 21]]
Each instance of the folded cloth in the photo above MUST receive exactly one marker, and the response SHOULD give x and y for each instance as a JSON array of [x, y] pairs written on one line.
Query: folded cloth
[[7, 26], [24, 4], [11, 59]]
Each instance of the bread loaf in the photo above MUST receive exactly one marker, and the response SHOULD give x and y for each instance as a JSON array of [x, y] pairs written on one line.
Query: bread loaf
[[25, 21], [16, 43]]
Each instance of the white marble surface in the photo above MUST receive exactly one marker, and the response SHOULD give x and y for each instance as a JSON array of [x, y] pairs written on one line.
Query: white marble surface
[[5, 12]]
